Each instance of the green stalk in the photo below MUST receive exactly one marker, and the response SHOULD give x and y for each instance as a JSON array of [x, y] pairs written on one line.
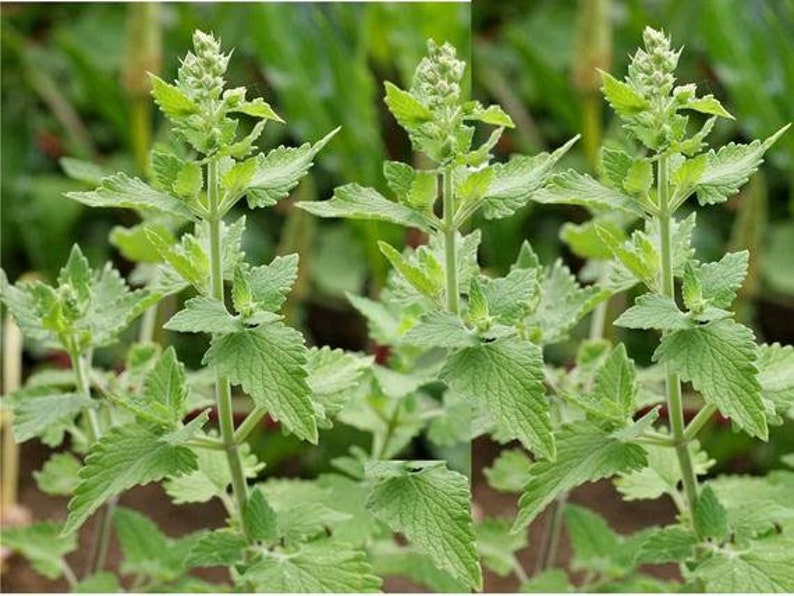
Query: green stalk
[[450, 248], [675, 406], [223, 390]]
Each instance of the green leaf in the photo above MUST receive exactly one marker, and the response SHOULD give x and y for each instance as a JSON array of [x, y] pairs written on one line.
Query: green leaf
[[497, 545], [258, 108], [672, 544], [615, 388], [439, 329], [126, 456], [173, 102], [708, 104], [163, 400], [653, 311], [42, 544], [76, 274], [430, 505], [686, 177], [493, 114], [270, 284], [165, 168], [406, 109], [102, 582], [259, 519], [730, 168], [722, 279], [639, 177], [573, 188], [315, 567], [511, 297], [763, 566], [413, 274], [142, 544], [34, 414], [268, 363], [333, 376], [506, 377], [281, 170], [391, 560], [514, 183], [509, 471], [134, 244], [776, 375], [551, 581], [711, 519], [382, 324], [594, 543], [119, 190], [585, 453], [719, 360], [583, 238], [203, 315], [188, 258], [189, 181], [58, 476], [622, 97], [84, 171], [218, 548], [353, 201]]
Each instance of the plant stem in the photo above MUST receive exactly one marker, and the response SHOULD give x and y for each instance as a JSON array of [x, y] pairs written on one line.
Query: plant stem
[[699, 421], [12, 375], [675, 406], [450, 247], [250, 423], [149, 319], [552, 539], [79, 366], [223, 390]]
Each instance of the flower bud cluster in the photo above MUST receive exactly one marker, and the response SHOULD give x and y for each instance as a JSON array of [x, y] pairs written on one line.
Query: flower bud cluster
[[438, 76], [651, 70], [201, 72]]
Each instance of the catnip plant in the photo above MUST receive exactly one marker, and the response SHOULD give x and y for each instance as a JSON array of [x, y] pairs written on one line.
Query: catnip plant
[[149, 422], [732, 533]]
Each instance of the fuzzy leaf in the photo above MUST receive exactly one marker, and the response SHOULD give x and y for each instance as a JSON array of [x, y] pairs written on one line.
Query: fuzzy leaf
[[315, 567], [353, 201], [268, 363], [218, 548], [126, 456], [776, 374], [653, 311], [708, 104], [34, 414], [730, 168], [259, 518], [506, 377], [58, 476], [42, 544], [721, 280], [173, 102], [711, 519], [279, 172], [585, 453], [594, 543], [509, 471], [622, 97], [430, 505], [497, 545], [763, 566], [163, 400], [573, 188], [439, 329], [119, 190], [673, 544], [719, 360], [270, 284], [406, 109], [203, 315]]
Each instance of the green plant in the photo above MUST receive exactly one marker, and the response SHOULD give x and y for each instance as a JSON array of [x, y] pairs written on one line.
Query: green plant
[[731, 533]]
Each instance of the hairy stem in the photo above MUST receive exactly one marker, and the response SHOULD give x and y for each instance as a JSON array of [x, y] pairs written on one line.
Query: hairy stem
[[555, 532], [675, 405], [450, 248], [223, 390], [250, 423], [699, 421]]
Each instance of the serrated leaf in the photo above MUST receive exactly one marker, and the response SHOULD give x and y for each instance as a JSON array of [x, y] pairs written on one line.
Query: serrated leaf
[[391, 560], [279, 172], [493, 114], [615, 387], [134, 244], [119, 190], [672, 544], [511, 297], [594, 543], [708, 104], [126, 456], [551, 581], [585, 453], [639, 177], [497, 545], [58, 476], [102, 582], [506, 377], [514, 183], [268, 363], [430, 505], [189, 181], [776, 375], [258, 108], [173, 102], [573, 188], [203, 315], [710, 517], [314, 567], [142, 544], [614, 166], [406, 109], [218, 548], [730, 168], [165, 168], [509, 471], [188, 258], [34, 414], [259, 519], [622, 97], [42, 544], [439, 329], [722, 279], [412, 273], [353, 201], [653, 311], [719, 360], [382, 324], [76, 273], [270, 284], [163, 400], [763, 566], [583, 239]]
